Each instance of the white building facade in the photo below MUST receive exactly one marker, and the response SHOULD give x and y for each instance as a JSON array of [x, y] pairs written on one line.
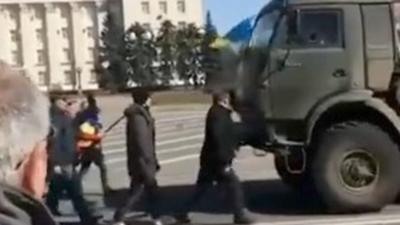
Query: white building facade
[[55, 42]]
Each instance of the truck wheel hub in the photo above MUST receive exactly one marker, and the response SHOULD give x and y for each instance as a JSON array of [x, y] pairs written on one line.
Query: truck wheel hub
[[359, 169]]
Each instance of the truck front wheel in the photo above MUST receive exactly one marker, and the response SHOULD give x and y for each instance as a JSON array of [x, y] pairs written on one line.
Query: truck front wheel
[[355, 168]]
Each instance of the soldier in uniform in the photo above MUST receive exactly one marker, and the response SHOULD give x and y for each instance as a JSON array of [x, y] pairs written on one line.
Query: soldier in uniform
[[221, 142]]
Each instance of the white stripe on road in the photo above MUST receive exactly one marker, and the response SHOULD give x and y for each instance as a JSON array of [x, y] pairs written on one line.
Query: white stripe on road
[[179, 159], [160, 128], [161, 143], [176, 132], [161, 138], [166, 151], [362, 220], [200, 120], [162, 162]]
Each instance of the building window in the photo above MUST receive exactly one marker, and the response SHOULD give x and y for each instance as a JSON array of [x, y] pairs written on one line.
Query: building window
[[39, 14], [15, 58], [41, 57], [42, 78], [13, 16], [164, 7], [90, 32], [64, 32], [64, 13], [39, 35], [14, 36], [146, 7], [68, 77], [181, 24], [93, 77], [181, 6], [67, 55]]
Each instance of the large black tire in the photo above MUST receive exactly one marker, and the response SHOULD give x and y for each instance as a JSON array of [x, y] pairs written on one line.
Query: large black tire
[[298, 182], [344, 147]]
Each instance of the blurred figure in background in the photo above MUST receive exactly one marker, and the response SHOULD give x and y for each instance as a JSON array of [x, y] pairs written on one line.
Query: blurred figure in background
[[24, 126], [62, 154], [89, 141]]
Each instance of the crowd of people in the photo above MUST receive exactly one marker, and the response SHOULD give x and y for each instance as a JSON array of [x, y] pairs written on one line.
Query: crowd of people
[[54, 148]]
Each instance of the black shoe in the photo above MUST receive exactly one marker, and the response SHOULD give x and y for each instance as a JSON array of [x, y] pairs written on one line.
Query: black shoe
[[182, 218], [244, 217]]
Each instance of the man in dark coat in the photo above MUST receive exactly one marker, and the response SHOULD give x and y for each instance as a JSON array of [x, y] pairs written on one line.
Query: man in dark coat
[[142, 161], [62, 153], [219, 148]]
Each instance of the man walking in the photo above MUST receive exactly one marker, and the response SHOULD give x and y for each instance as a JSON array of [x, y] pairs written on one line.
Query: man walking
[[62, 152], [221, 142], [142, 161]]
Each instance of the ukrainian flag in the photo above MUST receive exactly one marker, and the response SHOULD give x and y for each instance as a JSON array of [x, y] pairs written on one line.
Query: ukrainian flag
[[238, 36]]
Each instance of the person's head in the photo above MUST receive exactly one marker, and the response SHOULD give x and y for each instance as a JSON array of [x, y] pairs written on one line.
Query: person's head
[[24, 126], [142, 97], [222, 98], [91, 100]]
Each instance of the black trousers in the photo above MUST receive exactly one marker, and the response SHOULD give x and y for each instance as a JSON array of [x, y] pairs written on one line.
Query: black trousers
[[143, 183], [95, 156], [221, 175], [67, 180]]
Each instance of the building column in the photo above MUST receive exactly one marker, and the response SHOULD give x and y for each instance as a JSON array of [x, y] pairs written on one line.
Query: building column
[[76, 45], [4, 35], [27, 46], [55, 76]]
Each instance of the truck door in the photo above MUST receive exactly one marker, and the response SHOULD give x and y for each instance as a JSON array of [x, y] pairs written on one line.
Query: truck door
[[314, 47]]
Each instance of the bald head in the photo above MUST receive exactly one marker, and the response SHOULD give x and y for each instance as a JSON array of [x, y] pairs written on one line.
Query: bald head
[[24, 119]]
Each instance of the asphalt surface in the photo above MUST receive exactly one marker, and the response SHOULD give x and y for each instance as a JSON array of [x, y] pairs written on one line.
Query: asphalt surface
[[179, 138]]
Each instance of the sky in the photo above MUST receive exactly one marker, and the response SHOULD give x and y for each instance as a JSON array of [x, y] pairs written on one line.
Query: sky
[[227, 13]]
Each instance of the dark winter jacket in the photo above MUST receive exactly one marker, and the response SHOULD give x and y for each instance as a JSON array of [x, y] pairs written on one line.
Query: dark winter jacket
[[62, 147], [140, 139], [221, 138], [19, 208], [89, 114]]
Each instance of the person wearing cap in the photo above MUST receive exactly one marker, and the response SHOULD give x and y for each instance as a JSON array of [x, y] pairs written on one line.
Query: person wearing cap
[[142, 160]]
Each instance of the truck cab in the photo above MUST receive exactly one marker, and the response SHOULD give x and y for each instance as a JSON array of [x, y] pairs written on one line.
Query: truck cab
[[321, 77]]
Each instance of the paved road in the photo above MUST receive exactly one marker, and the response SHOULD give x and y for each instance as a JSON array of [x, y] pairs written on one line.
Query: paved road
[[179, 138]]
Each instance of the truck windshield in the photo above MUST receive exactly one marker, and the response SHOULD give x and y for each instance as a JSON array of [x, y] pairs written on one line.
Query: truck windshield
[[265, 26]]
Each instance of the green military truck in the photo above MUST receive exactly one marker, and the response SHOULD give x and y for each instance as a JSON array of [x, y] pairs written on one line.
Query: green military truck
[[318, 84]]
